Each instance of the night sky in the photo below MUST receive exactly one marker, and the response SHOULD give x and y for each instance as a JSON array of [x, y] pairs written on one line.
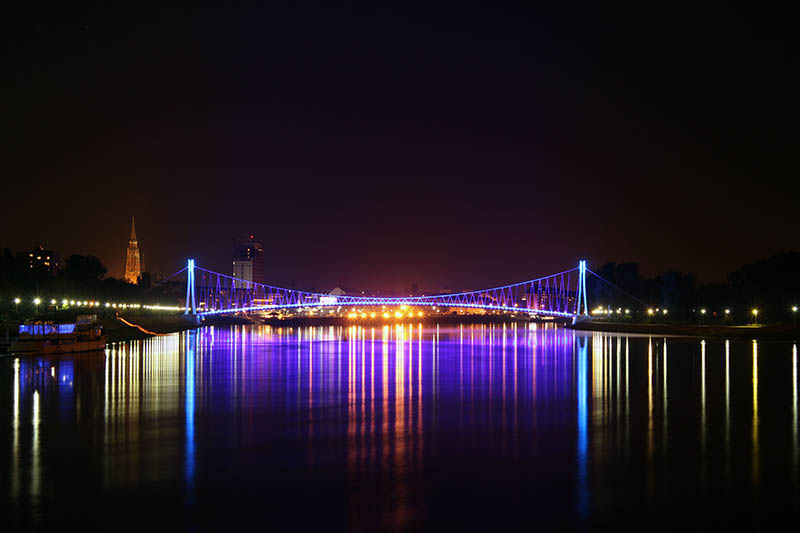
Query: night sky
[[368, 147]]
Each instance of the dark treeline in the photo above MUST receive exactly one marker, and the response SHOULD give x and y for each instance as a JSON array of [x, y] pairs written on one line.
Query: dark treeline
[[81, 277], [771, 286]]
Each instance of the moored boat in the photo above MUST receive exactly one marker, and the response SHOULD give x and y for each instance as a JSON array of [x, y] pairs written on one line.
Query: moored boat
[[37, 337]]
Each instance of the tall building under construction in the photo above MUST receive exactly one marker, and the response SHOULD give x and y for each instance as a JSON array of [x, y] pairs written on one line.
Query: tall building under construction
[[133, 262]]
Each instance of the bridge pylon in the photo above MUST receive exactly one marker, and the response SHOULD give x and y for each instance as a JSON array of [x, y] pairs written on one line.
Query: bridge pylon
[[582, 289], [191, 298]]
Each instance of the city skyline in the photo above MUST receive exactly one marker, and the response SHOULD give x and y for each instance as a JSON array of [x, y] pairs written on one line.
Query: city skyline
[[221, 257]]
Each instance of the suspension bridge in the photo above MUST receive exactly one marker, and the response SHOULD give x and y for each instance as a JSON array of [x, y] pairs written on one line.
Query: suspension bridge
[[560, 295]]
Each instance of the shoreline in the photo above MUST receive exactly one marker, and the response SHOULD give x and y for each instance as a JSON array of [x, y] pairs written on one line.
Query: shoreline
[[143, 326], [694, 330], [148, 326]]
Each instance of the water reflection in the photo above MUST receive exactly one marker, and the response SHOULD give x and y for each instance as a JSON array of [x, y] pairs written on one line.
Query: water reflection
[[191, 339], [703, 396], [795, 441], [35, 451], [627, 398], [581, 421], [650, 423], [15, 435], [756, 451], [703, 416], [583, 435], [727, 427], [664, 401]]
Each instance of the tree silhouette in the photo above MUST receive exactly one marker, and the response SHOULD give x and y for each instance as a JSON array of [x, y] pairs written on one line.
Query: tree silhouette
[[84, 268]]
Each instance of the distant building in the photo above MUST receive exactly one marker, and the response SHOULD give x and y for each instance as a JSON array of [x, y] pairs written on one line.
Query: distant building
[[337, 291], [40, 260], [248, 259], [133, 262]]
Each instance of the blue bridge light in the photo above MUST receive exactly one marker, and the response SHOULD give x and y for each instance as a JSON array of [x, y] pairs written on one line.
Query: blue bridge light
[[558, 295]]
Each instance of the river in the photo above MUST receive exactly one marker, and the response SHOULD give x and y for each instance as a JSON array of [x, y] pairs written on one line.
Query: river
[[484, 427]]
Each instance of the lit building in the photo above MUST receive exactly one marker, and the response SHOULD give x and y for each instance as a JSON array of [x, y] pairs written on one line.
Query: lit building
[[40, 260], [133, 262], [248, 260]]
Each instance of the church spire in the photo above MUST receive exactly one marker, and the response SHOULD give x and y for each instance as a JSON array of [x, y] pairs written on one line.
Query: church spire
[[133, 228], [133, 261]]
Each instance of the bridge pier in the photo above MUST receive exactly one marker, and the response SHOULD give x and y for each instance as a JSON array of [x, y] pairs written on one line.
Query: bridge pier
[[194, 320]]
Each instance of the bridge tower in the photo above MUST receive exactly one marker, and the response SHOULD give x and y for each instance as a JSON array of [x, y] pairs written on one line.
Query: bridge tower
[[191, 299], [582, 289]]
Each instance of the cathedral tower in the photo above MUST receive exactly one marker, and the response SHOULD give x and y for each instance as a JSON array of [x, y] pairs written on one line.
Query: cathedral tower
[[133, 264]]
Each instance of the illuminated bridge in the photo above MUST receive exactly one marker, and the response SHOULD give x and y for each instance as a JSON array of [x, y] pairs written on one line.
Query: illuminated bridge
[[558, 295]]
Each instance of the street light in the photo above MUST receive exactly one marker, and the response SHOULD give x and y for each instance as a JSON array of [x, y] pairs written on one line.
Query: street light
[[36, 302], [755, 314], [16, 304], [794, 314]]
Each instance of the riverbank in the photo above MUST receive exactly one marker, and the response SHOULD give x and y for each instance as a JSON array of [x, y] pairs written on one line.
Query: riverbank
[[694, 330], [134, 326]]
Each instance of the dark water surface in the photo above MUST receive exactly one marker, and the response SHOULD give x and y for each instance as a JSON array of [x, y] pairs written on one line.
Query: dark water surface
[[402, 427]]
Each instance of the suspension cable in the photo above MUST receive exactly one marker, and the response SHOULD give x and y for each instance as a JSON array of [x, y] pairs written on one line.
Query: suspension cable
[[166, 279], [618, 288]]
